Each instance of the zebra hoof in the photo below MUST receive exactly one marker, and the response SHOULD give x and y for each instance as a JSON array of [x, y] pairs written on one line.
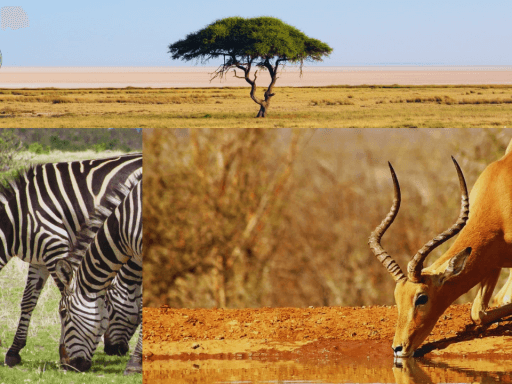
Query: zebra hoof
[[120, 349], [12, 358]]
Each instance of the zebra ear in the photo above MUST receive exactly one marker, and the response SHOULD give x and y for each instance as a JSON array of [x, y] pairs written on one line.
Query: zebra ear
[[64, 272]]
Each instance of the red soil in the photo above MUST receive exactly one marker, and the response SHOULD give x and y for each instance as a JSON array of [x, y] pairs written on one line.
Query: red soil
[[334, 334]]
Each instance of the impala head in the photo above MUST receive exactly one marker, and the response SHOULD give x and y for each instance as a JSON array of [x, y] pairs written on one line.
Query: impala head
[[420, 297], [84, 319]]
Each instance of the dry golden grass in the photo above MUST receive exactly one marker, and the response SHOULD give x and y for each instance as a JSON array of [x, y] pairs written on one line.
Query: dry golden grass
[[337, 106]]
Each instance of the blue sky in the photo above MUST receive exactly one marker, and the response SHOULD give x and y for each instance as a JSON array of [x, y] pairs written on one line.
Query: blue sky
[[361, 32]]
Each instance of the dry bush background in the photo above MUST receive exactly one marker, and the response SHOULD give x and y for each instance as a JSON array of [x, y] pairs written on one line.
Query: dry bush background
[[250, 218]]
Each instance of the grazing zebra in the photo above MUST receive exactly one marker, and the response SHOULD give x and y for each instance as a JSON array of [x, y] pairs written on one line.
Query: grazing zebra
[[41, 212], [124, 298], [84, 306], [124, 295]]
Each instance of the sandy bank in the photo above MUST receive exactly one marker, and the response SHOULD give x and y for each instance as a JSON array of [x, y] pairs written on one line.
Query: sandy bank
[[184, 77]]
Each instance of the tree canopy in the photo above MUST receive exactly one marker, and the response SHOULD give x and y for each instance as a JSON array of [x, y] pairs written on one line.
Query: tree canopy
[[260, 38], [247, 42]]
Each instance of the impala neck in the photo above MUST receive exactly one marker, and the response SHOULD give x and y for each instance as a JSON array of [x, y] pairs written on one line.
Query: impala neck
[[477, 266]]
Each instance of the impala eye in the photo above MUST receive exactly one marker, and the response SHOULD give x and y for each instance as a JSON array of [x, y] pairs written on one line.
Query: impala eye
[[421, 300]]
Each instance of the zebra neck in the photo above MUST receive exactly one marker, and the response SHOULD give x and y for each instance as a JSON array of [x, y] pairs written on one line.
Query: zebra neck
[[7, 250]]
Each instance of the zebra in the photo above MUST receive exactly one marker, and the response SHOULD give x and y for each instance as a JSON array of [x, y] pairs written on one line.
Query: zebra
[[124, 298], [84, 306], [42, 210], [124, 294]]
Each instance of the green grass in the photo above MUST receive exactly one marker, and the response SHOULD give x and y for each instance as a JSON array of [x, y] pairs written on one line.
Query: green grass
[[26, 158], [461, 106], [40, 357], [56, 156]]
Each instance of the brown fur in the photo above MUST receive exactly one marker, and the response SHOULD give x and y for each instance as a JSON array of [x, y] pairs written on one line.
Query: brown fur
[[489, 234]]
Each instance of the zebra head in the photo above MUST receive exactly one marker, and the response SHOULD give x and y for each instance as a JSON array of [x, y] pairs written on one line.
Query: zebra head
[[84, 319], [124, 303]]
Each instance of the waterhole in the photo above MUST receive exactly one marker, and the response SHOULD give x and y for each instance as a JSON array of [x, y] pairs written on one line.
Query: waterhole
[[322, 361]]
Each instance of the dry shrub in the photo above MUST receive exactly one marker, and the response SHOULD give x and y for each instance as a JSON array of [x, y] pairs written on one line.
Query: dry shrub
[[245, 218], [212, 214], [113, 97], [7, 110], [486, 101], [429, 99], [142, 99], [331, 102], [39, 99]]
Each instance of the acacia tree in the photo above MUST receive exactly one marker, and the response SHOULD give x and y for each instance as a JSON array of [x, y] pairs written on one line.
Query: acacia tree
[[261, 42]]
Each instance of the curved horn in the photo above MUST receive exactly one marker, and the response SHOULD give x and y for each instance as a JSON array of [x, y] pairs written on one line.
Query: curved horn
[[374, 240], [416, 264]]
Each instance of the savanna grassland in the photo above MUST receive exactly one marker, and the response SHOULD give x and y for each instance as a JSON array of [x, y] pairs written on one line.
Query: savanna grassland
[[40, 357], [461, 106]]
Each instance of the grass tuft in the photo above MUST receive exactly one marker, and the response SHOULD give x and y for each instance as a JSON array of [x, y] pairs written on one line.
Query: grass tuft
[[331, 102]]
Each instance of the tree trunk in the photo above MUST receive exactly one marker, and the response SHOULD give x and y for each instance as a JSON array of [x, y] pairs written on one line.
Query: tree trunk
[[264, 104], [262, 112]]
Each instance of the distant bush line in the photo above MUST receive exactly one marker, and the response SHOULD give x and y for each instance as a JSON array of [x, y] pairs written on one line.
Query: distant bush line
[[67, 146], [42, 141]]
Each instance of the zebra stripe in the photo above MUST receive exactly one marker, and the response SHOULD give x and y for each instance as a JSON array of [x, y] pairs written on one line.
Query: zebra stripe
[[84, 306], [42, 210], [124, 301]]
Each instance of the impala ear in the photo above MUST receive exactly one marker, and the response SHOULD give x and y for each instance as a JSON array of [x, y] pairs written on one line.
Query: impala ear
[[456, 265], [64, 272]]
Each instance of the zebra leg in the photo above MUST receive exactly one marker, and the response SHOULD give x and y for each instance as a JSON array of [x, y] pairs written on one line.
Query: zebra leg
[[135, 363], [36, 279], [2, 264]]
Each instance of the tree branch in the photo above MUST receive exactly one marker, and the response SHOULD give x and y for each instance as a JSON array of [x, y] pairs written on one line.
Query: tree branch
[[238, 77]]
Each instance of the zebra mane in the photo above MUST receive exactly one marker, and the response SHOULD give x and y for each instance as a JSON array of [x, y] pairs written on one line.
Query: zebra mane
[[88, 232], [16, 182]]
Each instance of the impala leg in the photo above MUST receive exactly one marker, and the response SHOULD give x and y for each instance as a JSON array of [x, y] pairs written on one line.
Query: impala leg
[[36, 279], [493, 315], [135, 363], [504, 296], [483, 297], [478, 311]]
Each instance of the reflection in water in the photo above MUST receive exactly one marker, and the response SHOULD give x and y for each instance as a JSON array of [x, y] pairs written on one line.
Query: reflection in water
[[326, 362], [407, 371], [412, 371]]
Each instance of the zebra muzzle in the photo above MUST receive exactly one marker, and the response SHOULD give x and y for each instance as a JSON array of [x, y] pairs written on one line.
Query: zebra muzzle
[[64, 359], [79, 364]]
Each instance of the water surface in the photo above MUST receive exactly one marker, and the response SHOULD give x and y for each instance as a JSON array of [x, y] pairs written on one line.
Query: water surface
[[326, 362]]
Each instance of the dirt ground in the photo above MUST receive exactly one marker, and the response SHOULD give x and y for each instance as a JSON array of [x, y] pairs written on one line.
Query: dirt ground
[[340, 343]]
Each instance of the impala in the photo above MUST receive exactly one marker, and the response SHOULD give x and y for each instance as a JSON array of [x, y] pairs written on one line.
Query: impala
[[483, 247]]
